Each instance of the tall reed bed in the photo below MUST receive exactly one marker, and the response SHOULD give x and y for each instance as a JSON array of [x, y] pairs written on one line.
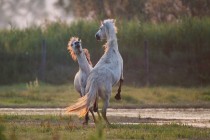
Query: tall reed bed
[[179, 53]]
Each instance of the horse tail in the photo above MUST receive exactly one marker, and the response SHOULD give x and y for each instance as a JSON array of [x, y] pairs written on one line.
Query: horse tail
[[81, 107]]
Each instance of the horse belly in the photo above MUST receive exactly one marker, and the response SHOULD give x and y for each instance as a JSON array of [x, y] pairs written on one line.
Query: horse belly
[[76, 83], [116, 77]]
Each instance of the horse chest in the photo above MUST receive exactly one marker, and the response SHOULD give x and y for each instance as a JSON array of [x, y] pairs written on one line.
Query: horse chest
[[111, 62]]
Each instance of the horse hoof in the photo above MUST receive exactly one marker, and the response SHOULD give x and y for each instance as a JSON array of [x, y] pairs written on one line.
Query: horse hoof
[[85, 123], [117, 97]]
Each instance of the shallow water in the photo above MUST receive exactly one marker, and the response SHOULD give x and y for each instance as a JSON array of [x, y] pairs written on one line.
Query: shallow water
[[198, 117]]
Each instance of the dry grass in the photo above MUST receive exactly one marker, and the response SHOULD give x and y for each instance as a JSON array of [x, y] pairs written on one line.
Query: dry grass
[[61, 96]]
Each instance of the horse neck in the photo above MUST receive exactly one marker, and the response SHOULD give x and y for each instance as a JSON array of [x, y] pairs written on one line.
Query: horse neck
[[112, 43], [112, 39], [83, 63]]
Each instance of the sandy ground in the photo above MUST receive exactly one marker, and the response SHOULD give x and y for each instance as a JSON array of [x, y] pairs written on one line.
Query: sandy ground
[[194, 117]]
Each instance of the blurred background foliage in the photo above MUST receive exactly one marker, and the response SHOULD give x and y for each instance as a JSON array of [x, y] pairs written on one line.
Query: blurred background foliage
[[177, 33], [146, 10]]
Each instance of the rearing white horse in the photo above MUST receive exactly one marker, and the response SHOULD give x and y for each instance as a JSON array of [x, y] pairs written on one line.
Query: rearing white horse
[[85, 67], [107, 72]]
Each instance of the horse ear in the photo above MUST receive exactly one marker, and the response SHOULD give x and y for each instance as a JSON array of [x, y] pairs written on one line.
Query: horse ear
[[114, 21], [102, 22], [80, 42]]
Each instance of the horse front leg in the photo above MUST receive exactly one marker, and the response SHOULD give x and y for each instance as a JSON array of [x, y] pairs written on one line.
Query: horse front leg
[[118, 95]]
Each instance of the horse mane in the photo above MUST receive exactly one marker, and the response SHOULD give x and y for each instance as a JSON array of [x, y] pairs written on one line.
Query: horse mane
[[112, 21], [69, 48], [87, 54], [107, 24]]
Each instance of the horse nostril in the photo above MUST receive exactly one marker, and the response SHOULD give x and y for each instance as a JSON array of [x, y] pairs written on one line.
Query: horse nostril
[[97, 37], [77, 45]]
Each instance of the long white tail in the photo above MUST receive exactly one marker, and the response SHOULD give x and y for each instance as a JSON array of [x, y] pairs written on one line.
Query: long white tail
[[81, 107]]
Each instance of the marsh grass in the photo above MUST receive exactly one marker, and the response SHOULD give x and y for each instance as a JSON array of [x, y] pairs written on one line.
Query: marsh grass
[[2, 129], [62, 127], [46, 95], [42, 96], [163, 97]]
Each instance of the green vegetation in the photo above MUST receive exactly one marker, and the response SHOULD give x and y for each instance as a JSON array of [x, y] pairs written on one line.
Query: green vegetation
[[37, 96], [45, 95], [63, 127], [178, 52]]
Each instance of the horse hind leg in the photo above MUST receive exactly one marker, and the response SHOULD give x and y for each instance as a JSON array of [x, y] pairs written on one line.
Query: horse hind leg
[[85, 122], [104, 111], [94, 118], [95, 106]]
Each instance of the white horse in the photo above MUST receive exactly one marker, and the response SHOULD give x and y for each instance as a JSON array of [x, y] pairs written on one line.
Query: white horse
[[107, 72], [85, 67]]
